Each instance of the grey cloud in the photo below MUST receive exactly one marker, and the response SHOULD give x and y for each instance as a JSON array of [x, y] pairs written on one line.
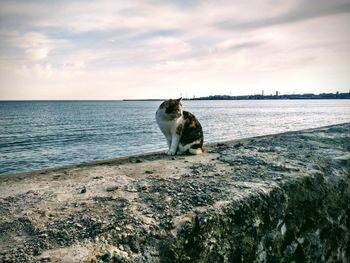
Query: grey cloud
[[206, 53], [244, 45], [303, 12]]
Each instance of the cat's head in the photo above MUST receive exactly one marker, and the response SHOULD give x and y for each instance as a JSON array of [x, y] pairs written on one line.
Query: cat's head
[[172, 108]]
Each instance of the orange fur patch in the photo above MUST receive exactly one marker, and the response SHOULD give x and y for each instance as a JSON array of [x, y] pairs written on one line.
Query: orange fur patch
[[179, 129]]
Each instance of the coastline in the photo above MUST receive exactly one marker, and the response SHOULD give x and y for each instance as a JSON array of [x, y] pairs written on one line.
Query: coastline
[[139, 208], [154, 155]]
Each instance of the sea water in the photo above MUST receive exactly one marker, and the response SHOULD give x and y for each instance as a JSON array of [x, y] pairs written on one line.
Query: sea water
[[41, 134]]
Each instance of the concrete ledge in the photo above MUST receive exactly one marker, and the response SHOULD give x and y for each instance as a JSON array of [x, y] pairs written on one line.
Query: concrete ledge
[[277, 198]]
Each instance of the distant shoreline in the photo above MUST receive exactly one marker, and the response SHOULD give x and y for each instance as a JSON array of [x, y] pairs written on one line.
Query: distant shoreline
[[277, 96], [221, 99]]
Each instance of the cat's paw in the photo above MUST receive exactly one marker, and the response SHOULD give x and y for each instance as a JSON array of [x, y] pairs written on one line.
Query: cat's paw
[[171, 152]]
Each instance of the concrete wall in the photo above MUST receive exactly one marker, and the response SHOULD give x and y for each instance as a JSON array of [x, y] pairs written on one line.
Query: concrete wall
[[306, 220]]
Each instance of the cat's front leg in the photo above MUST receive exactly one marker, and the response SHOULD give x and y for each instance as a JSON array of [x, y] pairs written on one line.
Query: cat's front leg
[[168, 141], [174, 144]]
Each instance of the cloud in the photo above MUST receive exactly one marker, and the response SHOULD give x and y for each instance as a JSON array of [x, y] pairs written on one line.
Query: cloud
[[87, 16], [35, 45], [234, 45], [142, 47], [301, 12], [37, 53]]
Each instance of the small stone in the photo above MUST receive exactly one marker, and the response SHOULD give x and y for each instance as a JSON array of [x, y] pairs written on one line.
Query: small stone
[[111, 188], [238, 145], [134, 245], [139, 160], [106, 257], [148, 172], [130, 189], [45, 259], [83, 190]]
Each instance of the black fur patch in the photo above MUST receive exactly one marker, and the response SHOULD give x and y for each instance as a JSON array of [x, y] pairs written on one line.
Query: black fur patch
[[196, 146], [192, 131], [172, 106]]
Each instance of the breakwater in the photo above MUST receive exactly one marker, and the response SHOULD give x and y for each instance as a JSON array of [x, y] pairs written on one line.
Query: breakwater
[[275, 198]]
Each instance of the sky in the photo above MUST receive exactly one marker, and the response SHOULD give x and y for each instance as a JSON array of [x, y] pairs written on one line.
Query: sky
[[171, 48]]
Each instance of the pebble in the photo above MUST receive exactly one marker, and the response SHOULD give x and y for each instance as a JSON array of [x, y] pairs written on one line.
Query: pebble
[[130, 189], [238, 145], [106, 256], [45, 259], [83, 190], [111, 188]]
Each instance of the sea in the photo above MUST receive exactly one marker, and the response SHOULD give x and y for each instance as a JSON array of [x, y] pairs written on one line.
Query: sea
[[42, 134]]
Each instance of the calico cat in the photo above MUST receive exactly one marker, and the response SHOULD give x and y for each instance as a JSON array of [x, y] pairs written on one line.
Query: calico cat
[[181, 129]]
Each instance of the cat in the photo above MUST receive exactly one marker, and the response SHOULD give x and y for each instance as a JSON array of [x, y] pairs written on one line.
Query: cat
[[181, 129]]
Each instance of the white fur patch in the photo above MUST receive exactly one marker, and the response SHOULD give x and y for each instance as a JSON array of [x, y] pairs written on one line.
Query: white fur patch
[[187, 147], [168, 128]]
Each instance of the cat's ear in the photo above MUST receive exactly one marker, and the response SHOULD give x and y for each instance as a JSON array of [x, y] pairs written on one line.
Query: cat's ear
[[179, 100]]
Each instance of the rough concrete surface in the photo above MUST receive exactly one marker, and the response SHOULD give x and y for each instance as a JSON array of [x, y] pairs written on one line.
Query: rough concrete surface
[[276, 198]]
